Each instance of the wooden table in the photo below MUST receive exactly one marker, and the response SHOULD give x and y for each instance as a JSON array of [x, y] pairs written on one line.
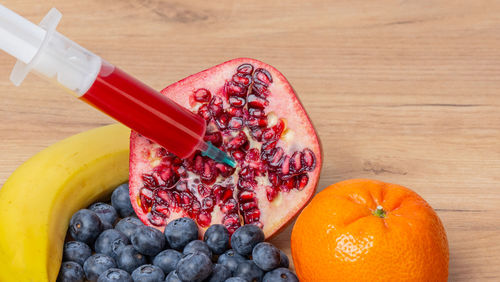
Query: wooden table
[[401, 91]]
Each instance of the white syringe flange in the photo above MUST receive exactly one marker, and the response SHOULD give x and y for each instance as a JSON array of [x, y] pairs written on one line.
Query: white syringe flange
[[42, 49]]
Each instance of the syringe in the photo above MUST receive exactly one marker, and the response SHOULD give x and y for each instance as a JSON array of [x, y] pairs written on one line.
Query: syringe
[[42, 49]]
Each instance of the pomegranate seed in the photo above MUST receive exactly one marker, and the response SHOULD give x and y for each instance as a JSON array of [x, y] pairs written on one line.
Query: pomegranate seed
[[215, 138], [277, 157], [229, 205], [162, 210], [204, 219], [218, 192], [227, 196], [309, 160], [268, 134], [215, 106], [262, 76], [237, 142], [177, 198], [170, 177], [255, 101], [204, 190], [247, 173], [163, 196], [288, 185], [253, 122], [247, 184], [202, 95], [156, 219], [256, 134], [245, 68], [225, 170], [237, 101], [248, 205], [238, 155], [252, 216], [252, 155], [146, 193], [273, 179], [222, 121], [198, 164], [246, 196], [235, 112], [274, 132], [231, 88], [204, 112], [267, 147], [208, 204], [232, 228], [302, 181], [243, 79], [195, 208], [271, 193], [145, 198], [149, 181], [285, 167], [296, 162], [231, 220], [235, 123], [256, 112], [260, 89], [186, 199], [209, 173]]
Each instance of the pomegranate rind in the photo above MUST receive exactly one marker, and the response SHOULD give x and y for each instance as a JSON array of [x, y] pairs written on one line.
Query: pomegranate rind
[[283, 102]]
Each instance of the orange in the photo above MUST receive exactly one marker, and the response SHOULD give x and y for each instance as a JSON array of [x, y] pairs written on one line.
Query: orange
[[367, 230]]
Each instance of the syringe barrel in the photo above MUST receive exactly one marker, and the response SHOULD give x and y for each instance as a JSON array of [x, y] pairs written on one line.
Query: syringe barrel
[[42, 49]]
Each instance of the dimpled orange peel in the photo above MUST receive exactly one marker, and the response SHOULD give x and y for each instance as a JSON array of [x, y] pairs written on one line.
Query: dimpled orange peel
[[367, 230]]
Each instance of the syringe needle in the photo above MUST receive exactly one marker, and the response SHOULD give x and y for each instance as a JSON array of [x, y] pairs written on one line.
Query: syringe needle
[[209, 150]]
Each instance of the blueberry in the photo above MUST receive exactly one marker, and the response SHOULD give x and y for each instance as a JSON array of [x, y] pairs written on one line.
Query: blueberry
[[85, 226], [219, 274], [76, 251], [197, 246], [217, 238], [128, 225], [70, 272], [284, 262], [148, 273], [105, 212], [97, 264], [167, 260], [266, 256], [195, 266], [120, 200], [148, 240], [249, 271], [245, 238], [235, 279], [180, 232], [173, 277], [231, 260], [280, 274], [129, 259], [109, 242], [106, 226], [115, 274]]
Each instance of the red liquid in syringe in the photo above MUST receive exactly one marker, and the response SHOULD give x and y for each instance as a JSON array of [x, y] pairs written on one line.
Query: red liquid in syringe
[[146, 111]]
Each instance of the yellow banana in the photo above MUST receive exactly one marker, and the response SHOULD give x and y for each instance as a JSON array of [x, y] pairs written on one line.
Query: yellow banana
[[38, 199]]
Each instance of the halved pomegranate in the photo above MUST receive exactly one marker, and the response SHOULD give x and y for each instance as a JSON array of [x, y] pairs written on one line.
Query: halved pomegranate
[[253, 114]]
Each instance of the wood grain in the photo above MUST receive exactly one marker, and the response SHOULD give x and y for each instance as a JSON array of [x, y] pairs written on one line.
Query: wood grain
[[401, 91]]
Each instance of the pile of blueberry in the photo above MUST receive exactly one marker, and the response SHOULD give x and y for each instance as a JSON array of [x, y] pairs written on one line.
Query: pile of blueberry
[[130, 251]]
